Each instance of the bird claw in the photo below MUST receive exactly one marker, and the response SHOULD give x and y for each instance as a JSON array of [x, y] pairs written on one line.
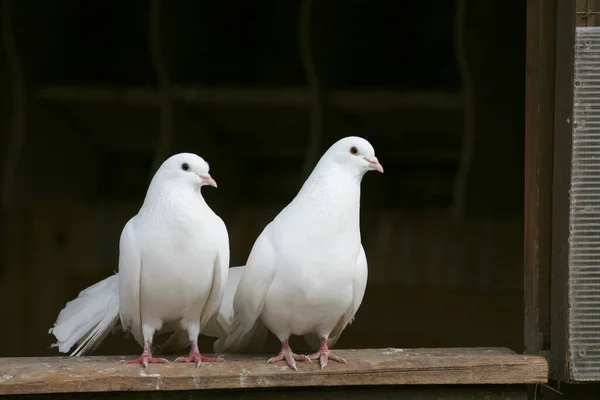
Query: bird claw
[[290, 358], [145, 360], [198, 359], [324, 356]]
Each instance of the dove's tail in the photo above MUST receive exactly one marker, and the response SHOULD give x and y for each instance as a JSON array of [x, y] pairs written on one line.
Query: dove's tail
[[256, 338], [87, 320], [251, 342]]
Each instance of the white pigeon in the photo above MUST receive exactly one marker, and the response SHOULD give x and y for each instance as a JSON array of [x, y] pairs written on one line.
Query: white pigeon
[[307, 271], [173, 266], [88, 319]]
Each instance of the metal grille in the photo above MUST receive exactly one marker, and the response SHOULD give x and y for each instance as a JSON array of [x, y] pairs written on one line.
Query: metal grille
[[584, 238]]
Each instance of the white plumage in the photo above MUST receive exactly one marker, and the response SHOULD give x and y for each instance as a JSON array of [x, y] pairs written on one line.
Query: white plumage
[[87, 320], [307, 271], [173, 267]]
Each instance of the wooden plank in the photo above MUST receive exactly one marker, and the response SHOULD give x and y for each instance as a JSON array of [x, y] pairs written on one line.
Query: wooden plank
[[449, 392], [539, 126], [561, 185], [365, 367]]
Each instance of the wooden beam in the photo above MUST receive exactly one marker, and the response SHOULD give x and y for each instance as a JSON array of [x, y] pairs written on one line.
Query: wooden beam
[[365, 367], [561, 186], [539, 127], [397, 392]]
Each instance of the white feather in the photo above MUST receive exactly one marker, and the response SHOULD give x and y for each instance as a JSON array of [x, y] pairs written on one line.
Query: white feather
[[87, 320], [255, 342]]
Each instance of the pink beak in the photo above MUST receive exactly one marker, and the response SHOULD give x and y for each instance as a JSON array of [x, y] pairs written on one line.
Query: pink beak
[[374, 163], [208, 180]]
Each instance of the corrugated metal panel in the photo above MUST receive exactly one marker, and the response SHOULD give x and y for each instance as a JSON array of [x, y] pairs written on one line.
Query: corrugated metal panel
[[584, 240]]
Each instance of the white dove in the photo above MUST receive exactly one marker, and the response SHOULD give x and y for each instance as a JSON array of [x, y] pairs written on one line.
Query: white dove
[[88, 319], [173, 266], [307, 271]]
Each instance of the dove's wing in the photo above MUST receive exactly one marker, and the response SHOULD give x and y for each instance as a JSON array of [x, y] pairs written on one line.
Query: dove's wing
[[249, 298], [130, 269], [360, 282], [221, 269], [360, 285]]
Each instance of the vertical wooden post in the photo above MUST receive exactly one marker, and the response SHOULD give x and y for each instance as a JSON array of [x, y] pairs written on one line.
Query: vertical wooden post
[[561, 185], [550, 41], [539, 133]]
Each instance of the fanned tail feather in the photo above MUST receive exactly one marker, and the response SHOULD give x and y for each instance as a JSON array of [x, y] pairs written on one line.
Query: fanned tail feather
[[237, 341], [87, 320]]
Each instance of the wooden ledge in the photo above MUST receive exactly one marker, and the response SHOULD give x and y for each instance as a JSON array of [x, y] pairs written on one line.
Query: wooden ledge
[[467, 366]]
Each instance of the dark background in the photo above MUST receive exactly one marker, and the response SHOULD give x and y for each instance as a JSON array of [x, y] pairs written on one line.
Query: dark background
[[437, 87]]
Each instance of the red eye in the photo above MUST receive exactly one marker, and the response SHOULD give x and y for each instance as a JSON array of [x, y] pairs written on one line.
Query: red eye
[[353, 150]]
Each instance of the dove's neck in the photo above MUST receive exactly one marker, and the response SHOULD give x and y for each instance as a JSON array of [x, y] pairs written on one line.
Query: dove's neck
[[179, 200], [332, 191]]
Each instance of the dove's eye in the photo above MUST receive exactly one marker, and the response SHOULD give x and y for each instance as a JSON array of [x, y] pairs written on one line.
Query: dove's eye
[[353, 150], [185, 166]]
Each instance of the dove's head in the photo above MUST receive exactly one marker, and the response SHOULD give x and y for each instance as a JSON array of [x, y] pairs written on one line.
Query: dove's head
[[186, 168], [354, 153]]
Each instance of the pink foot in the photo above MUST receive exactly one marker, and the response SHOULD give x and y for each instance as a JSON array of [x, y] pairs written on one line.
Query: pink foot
[[324, 354], [198, 358], [146, 357], [145, 360], [287, 355]]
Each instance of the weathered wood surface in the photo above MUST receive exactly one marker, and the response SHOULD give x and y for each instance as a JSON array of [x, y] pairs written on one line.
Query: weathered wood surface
[[365, 367], [438, 392]]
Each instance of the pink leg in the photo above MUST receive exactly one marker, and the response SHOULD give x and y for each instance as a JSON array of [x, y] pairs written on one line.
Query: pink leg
[[325, 354], [146, 357], [196, 357], [287, 355]]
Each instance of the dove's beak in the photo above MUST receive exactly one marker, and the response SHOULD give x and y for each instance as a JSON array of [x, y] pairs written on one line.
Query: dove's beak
[[208, 180], [374, 164]]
